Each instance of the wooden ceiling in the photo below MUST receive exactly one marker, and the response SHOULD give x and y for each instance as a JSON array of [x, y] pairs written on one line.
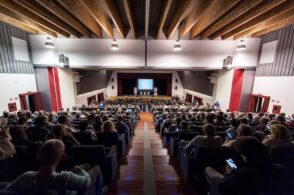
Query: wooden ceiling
[[195, 19]]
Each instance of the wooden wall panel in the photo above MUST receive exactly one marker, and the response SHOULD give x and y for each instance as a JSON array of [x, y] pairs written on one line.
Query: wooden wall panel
[[283, 64], [7, 62]]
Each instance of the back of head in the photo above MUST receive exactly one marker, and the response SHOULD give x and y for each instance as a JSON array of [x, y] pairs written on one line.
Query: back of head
[[209, 130], [255, 152], [51, 152], [244, 130], [243, 120], [235, 122], [40, 120], [120, 118], [22, 120], [108, 126], [280, 132], [58, 130], [62, 119], [184, 125], [83, 125]]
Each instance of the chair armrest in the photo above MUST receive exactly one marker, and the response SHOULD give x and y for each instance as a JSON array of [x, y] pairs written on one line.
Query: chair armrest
[[185, 163], [3, 184], [112, 161]]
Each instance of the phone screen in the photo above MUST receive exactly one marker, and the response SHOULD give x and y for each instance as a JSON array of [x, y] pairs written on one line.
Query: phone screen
[[230, 135], [231, 163]]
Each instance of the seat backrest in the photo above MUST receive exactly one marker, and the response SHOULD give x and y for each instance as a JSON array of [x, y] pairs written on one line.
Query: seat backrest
[[108, 138], [211, 156], [84, 138], [92, 154], [188, 135], [196, 128], [283, 155]]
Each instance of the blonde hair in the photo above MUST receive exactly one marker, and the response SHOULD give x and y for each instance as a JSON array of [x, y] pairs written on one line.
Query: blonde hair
[[108, 126], [280, 132], [51, 152]]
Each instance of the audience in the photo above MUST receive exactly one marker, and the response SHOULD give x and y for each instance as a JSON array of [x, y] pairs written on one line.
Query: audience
[[280, 136], [7, 149]]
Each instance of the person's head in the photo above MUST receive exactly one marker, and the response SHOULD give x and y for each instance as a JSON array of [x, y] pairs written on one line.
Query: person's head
[[243, 120], [220, 116], [244, 130], [108, 126], [22, 120], [120, 118], [209, 130], [263, 120], [253, 152], [281, 133], [62, 119], [280, 118], [235, 122], [178, 120], [250, 116], [209, 118], [184, 125], [40, 120], [83, 125], [98, 120], [50, 153], [259, 135], [59, 131]]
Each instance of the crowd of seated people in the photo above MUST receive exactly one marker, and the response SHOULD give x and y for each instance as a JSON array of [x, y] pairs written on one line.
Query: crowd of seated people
[[250, 138], [51, 139]]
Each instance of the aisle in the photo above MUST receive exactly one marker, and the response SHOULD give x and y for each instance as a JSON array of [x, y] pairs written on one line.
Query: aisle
[[147, 169]]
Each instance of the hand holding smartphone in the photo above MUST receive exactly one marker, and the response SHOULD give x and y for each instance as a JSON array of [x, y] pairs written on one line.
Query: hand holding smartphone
[[231, 164]]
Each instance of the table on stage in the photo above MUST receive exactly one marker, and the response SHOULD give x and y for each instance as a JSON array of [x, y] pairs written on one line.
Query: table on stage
[[141, 97]]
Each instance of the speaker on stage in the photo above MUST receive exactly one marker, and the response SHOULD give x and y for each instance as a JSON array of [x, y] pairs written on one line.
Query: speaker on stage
[[135, 91], [155, 91]]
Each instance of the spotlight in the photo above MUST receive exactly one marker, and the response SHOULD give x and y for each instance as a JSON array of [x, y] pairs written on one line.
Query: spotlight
[[49, 43], [114, 45], [241, 45], [177, 46]]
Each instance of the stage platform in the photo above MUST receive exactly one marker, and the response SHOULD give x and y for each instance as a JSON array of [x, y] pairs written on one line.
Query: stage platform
[[141, 97]]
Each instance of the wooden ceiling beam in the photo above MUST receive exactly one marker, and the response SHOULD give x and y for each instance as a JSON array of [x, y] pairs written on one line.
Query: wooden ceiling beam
[[240, 9], [26, 21], [13, 6], [77, 9], [54, 7], [265, 16], [216, 10], [47, 15], [260, 9], [274, 27], [98, 14], [115, 16], [13, 22], [194, 16], [287, 15], [184, 7], [163, 15], [129, 14]]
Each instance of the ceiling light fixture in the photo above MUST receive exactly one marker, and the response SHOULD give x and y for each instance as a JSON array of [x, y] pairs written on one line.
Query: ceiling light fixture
[[49, 43], [114, 45], [177, 46], [241, 45]]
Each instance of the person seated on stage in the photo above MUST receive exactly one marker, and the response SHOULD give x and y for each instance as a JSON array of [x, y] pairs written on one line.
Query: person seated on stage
[[242, 130], [208, 139], [280, 136], [255, 176], [65, 182]]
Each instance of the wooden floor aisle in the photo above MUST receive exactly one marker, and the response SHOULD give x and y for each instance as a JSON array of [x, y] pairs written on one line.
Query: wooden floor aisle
[[147, 168]]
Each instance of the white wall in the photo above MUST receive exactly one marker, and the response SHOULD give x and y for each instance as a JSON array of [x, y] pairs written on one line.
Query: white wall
[[82, 99], [14, 84], [224, 88], [67, 91], [109, 91], [247, 58], [206, 98], [279, 89]]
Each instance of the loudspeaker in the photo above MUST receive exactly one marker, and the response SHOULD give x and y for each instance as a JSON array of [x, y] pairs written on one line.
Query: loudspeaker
[[63, 61]]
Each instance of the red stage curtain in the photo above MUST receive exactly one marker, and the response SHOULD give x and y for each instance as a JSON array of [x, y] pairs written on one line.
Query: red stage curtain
[[265, 104], [236, 90]]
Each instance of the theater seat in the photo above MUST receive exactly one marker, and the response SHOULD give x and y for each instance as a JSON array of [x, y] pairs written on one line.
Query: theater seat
[[106, 158]]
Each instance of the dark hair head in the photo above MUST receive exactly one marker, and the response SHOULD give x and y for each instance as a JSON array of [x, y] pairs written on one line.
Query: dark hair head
[[235, 122], [255, 152], [259, 135], [243, 120], [244, 130], [62, 119], [184, 125], [59, 130], [40, 120], [22, 120], [209, 130], [83, 125], [209, 118], [51, 152], [98, 119], [120, 118]]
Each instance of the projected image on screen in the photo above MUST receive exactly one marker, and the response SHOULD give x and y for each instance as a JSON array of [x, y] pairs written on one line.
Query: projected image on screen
[[145, 84]]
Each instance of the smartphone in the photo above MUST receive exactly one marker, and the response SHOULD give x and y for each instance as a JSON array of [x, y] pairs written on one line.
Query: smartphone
[[230, 135], [231, 163], [129, 110], [268, 127]]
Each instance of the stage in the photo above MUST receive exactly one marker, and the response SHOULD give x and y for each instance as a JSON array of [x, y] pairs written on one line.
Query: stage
[[141, 97]]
